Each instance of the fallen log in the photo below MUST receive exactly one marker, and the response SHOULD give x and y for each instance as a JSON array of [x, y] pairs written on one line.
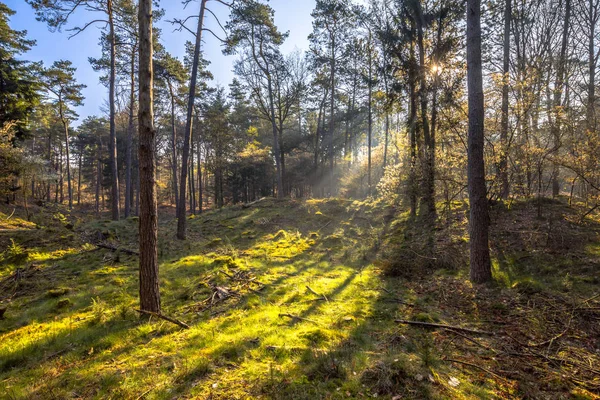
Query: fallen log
[[248, 205], [113, 248], [443, 326], [161, 316]]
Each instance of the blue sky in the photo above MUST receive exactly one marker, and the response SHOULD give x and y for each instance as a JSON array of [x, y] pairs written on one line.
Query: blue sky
[[290, 15]]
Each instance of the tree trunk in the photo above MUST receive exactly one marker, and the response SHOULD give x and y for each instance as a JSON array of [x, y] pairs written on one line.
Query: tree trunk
[[370, 116], [79, 174], [428, 201], [332, 118], [181, 209], [98, 176], [129, 145], [479, 215], [67, 154], [558, 91], [174, 149], [112, 144], [503, 162], [412, 128], [148, 223]]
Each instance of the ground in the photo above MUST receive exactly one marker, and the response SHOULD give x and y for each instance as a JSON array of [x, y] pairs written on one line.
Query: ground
[[302, 300]]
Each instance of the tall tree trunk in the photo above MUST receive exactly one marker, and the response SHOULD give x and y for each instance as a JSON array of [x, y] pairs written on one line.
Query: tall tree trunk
[[79, 174], [112, 144], [61, 182], [479, 215], [428, 201], [129, 145], [98, 175], [558, 91], [148, 223], [181, 210], [412, 128], [200, 205], [192, 180], [276, 148], [332, 117], [503, 162], [592, 61], [370, 117], [174, 150], [66, 130]]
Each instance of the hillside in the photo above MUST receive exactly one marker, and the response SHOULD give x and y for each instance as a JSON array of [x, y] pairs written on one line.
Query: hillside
[[294, 300]]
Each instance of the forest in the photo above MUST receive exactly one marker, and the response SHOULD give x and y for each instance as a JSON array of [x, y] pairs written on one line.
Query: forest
[[405, 204]]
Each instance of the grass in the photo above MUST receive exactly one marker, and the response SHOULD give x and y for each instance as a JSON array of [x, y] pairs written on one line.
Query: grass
[[70, 329]]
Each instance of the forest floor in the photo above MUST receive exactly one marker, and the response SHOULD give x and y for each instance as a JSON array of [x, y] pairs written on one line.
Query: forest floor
[[293, 300]]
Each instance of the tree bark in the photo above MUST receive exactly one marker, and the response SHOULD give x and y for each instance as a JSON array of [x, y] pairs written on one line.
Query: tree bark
[[503, 162], [412, 128], [428, 201], [558, 91], [112, 144], [370, 117], [174, 149], [129, 145], [148, 222], [66, 130], [181, 209], [479, 215]]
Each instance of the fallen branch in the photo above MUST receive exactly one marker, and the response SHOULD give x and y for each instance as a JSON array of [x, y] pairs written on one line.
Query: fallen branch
[[476, 366], [172, 320], [317, 294], [248, 205], [449, 327], [113, 248], [10, 216], [298, 318]]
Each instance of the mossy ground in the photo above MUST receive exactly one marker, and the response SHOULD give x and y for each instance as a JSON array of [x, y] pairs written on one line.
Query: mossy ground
[[70, 329]]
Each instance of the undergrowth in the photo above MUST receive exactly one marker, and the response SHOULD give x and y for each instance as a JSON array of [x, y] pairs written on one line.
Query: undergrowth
[[289, 300]]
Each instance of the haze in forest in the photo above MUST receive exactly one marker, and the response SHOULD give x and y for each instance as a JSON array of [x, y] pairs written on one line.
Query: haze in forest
[[328, 199]]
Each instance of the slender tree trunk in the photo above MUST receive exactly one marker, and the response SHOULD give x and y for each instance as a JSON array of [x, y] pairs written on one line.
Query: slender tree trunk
[[558, 91], [98, 175], [412, 127], [61, 182], [479, 215], [148, 225], [48, 189], [370, 117], [79, 174], [129, 145], [67, 154], [181, 210], [332, 117], [428, 210], [192, 179], [112, 144], [503, 162], [200, 205], [174, 149], [276, 148]]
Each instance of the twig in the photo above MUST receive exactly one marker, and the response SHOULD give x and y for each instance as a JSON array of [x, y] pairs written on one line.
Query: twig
[[317, 294], [10, 216], [296, 317], [474, 341], [475, 366], [172, 320], [450, 327]]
